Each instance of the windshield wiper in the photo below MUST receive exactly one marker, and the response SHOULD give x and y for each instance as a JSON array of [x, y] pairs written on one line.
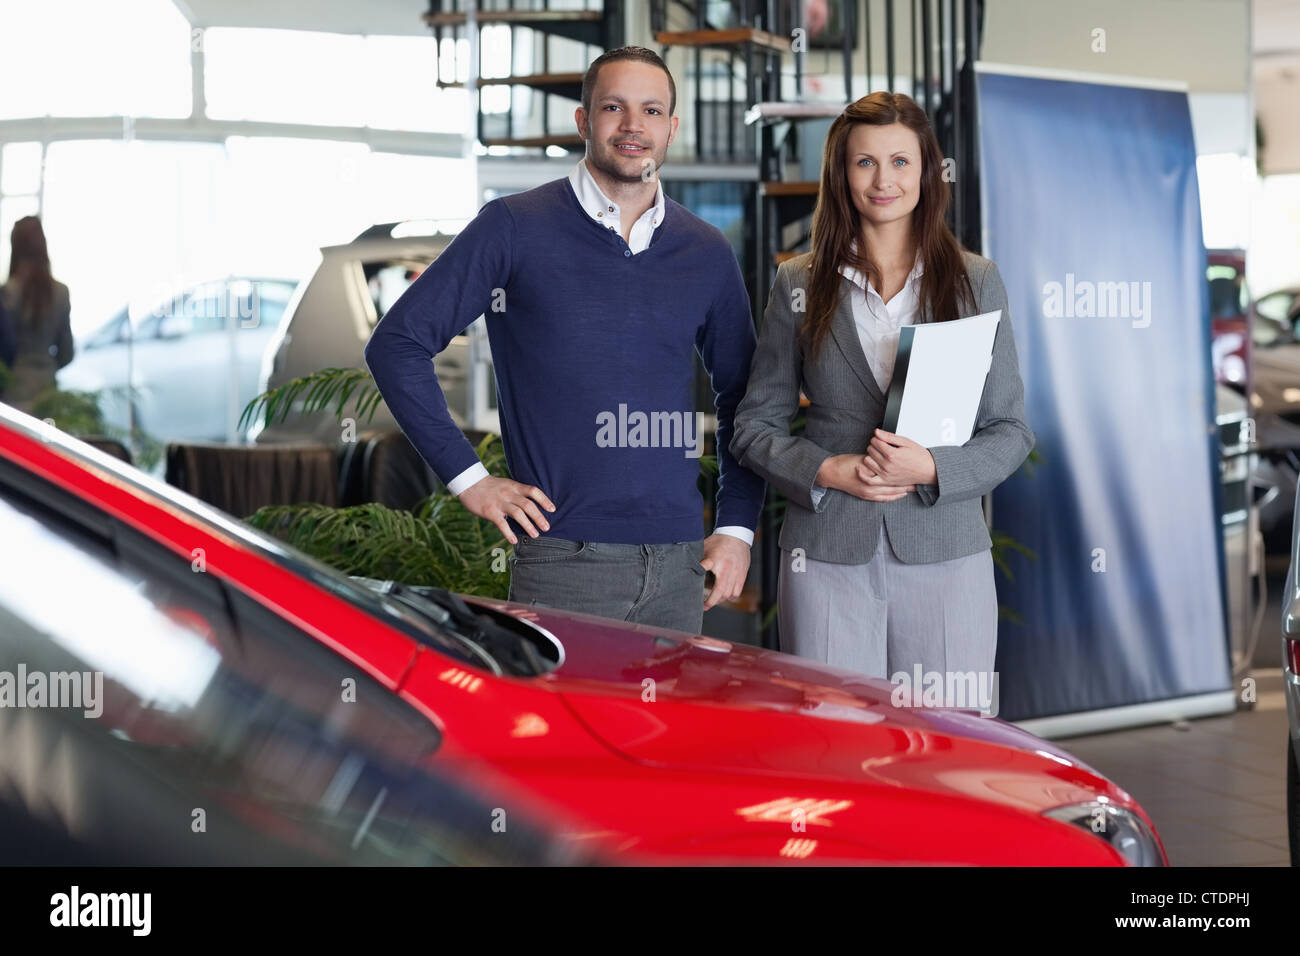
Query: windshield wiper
[[447, 611], [507, 646]]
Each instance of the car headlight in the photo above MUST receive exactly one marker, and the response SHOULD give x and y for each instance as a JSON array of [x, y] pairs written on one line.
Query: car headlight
[[1123, 829]]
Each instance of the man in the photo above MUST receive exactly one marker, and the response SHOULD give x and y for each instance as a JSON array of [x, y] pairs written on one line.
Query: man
[[597, 290]]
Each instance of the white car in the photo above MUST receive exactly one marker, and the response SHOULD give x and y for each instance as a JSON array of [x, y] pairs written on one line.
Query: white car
[[329, 320], [178, 358]]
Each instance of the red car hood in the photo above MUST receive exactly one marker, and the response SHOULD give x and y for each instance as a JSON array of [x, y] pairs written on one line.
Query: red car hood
[[679, 700]]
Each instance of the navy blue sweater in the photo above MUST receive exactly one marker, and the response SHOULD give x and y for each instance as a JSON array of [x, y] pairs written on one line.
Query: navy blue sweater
[[579, 327]]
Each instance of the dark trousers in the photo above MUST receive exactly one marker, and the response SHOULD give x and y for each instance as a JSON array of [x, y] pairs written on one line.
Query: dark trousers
[[657, 584]]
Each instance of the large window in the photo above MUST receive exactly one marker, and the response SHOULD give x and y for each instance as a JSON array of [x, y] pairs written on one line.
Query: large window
[[133, 223], [328, 79], [20, 188], [90, 58]]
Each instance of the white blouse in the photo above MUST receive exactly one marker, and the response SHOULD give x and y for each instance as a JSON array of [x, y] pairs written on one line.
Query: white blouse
[[878, 322]]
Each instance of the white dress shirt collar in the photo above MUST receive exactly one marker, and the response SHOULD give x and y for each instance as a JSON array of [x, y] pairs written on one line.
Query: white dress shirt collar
[[855, 276], [606, 212]]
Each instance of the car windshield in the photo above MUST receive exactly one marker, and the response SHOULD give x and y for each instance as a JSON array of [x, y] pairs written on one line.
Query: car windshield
[[257, 303], [1278, 307], [1228, 296], [111, 331], [387, 279], [1266, 332]]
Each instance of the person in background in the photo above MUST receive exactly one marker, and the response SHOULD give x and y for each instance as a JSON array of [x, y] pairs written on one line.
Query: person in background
[[38, 311], [7, 346]]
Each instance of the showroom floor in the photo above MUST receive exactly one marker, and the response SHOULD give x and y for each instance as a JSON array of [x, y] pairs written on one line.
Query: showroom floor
[[1214, 787]]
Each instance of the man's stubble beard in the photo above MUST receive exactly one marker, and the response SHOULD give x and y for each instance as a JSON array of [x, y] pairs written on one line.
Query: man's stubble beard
[[597, 157]]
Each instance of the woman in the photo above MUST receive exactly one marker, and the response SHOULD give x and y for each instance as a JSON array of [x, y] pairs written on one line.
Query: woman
[[886, 560], [39, 313]]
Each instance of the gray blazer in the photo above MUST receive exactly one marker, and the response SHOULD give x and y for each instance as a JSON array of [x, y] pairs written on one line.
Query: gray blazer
[[938, 522]]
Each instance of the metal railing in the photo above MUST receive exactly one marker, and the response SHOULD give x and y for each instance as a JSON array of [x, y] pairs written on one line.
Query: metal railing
[[591, 27]]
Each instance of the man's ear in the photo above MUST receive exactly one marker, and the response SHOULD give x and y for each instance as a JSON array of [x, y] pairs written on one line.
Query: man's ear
[[580, 117], [672, 129]]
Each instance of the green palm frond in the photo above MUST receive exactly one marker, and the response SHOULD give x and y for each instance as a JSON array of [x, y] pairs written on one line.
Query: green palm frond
[[74, 412], [437, 543], [493, 455], [314, 393], [1006, 614], [442, 544], [1002, 543], [1032, 461]]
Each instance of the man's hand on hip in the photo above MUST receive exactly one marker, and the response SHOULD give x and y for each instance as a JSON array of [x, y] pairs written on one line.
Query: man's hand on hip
[[497, 499], [728, 558]]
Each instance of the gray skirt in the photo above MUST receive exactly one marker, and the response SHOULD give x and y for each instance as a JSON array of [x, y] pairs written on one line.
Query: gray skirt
[[885, 616]]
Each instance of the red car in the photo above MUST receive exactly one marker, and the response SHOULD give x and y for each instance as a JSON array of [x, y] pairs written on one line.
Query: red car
[[634, 743], [1230, 349]]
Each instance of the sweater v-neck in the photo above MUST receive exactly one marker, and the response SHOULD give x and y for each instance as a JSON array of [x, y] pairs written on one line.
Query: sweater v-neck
[[616, 237]]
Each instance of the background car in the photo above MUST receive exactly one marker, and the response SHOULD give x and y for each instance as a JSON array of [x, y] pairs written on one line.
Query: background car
[[1225, 273], [329, 321], [1281, 308], [660, 746], [194, 359], [1291, 685], [1275, 406]]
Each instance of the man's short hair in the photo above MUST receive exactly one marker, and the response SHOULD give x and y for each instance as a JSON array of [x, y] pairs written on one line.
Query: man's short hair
[[637, 54]]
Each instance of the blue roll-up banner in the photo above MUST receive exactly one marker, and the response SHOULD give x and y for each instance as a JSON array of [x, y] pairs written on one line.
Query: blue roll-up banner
[[1092, 214]]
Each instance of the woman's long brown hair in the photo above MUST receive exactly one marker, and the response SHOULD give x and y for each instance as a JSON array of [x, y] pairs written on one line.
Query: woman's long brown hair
[[837, 223], [30, 259]]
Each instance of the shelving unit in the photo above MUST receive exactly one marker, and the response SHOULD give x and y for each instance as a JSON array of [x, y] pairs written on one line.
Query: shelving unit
[[589, 31]]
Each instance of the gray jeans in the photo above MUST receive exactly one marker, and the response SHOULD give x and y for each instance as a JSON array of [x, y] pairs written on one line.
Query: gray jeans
[[657, 584]]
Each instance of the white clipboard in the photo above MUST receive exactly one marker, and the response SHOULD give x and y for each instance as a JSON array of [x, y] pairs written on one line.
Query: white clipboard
[[939, 374]]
